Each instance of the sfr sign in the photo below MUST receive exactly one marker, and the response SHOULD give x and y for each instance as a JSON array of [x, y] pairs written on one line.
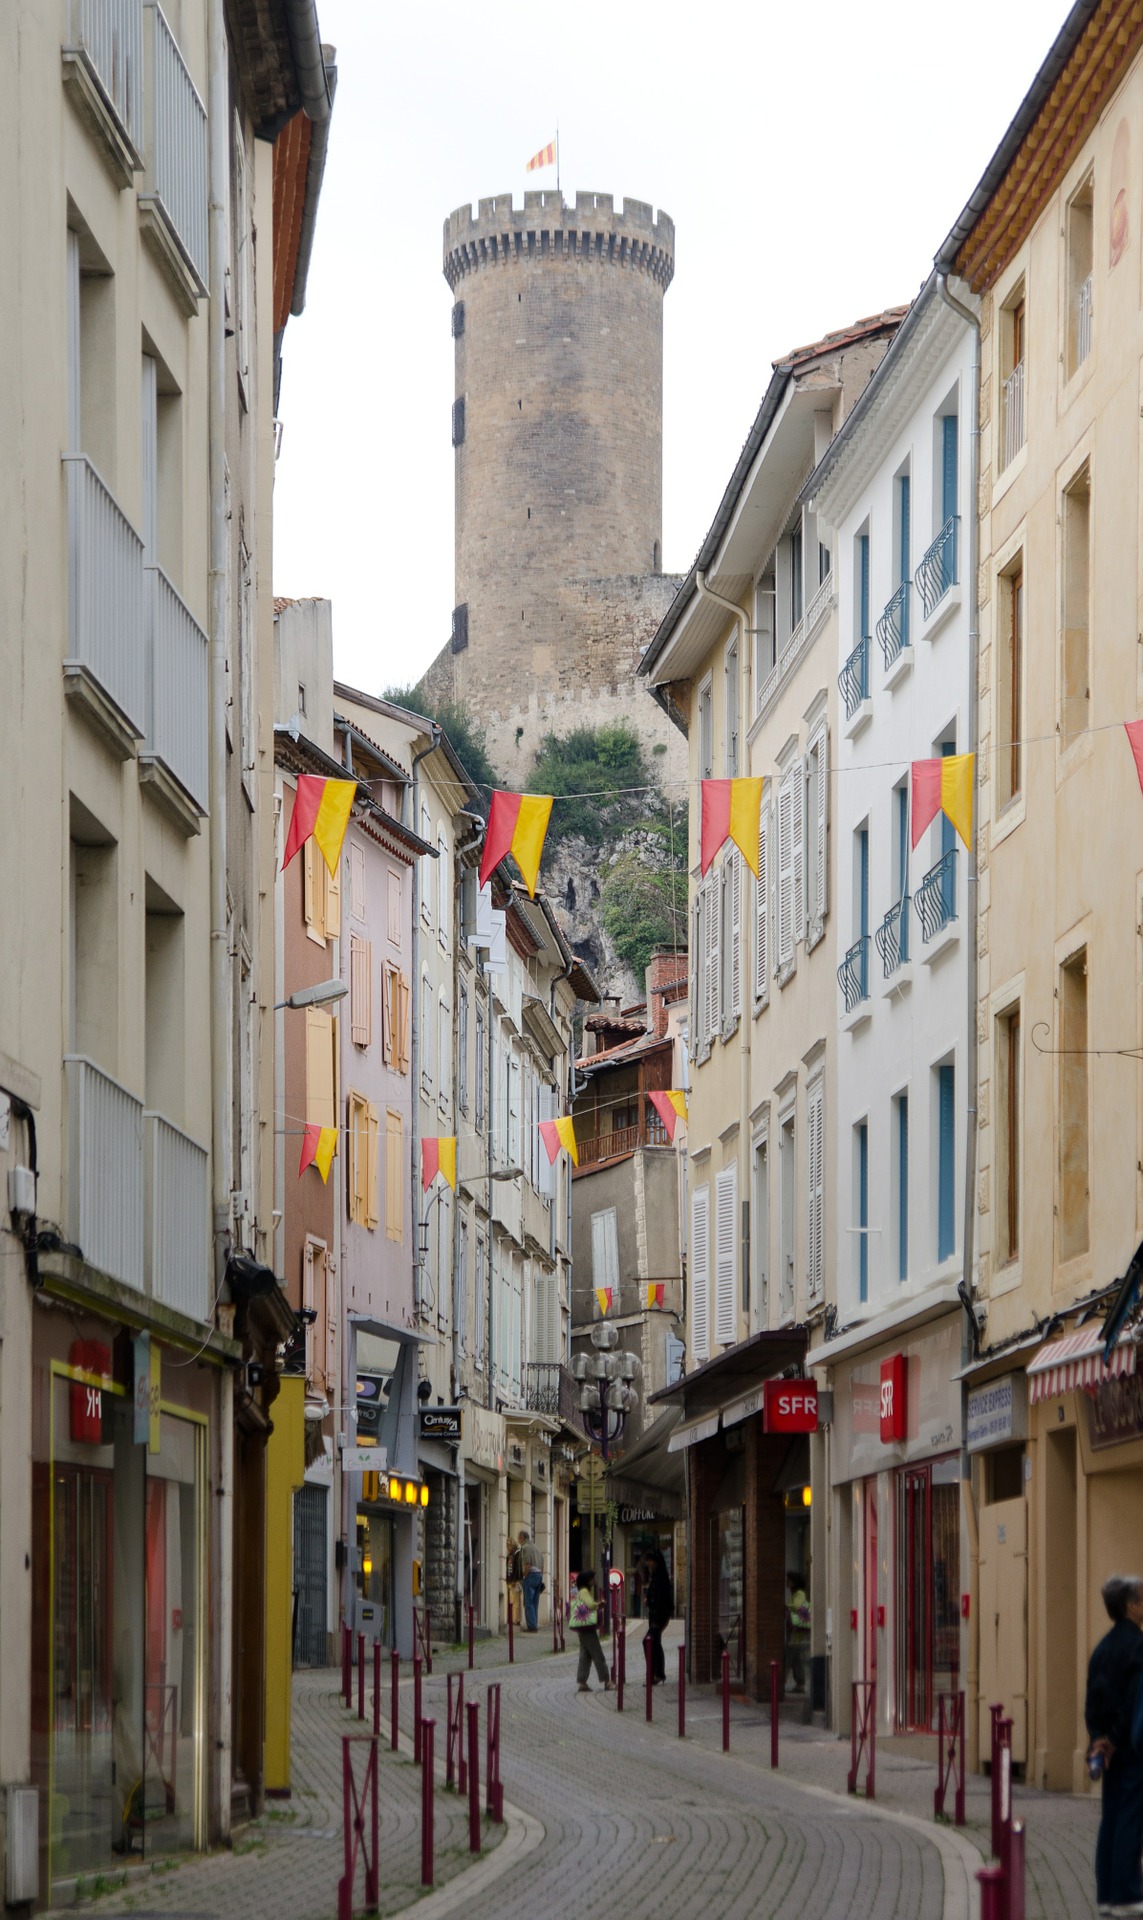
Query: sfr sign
[[893, 1420], [790, 1406]]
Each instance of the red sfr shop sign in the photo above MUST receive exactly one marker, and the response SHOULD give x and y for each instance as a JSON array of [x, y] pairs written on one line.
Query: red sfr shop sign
[[789, 1406], [893, 1409]]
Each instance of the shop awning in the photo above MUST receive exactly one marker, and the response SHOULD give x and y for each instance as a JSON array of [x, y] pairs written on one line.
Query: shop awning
[[692, 1431], [1077, 1361]]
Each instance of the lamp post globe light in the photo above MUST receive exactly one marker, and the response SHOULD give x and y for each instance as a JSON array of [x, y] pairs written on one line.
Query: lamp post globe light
[[606, 1397]]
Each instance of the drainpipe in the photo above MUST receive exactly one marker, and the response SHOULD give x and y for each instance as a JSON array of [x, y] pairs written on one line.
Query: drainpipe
[[218, 613], [972, 910], [708, 593], [415, 1017]]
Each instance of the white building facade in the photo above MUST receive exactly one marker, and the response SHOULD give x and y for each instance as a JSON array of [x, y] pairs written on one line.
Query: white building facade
[[894, 489]]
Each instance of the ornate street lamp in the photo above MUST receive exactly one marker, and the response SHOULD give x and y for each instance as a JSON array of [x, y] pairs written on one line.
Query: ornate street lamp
[[606, 1397]]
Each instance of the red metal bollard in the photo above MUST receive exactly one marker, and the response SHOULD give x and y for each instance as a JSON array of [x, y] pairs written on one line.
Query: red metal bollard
[[376, 1688], [361, 1676], [354, 1827], [471, 1636], [428, 1641], [395, 1672], [511, 1636], [620, 1665], [346, 1664], [428, 1729], [416, 1709], [992, 1892], [473, 1777], [1016, 1871], [494, 1805], [775, 1690], [726, 1699], [682, 1693]]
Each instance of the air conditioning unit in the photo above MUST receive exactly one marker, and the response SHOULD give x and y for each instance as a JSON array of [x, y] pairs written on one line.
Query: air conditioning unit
[[22, 1880]]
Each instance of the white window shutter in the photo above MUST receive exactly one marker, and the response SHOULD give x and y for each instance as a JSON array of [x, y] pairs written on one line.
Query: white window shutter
[[605, 1252], [726, 1209], [714, 952], [700, 1273], [798, 838], [815, 1135], [696, 974], [785, 874], [734, 868], [762, 907], [820, 828]]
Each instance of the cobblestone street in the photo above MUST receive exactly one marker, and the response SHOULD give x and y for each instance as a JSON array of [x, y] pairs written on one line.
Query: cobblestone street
[[604, 1808]]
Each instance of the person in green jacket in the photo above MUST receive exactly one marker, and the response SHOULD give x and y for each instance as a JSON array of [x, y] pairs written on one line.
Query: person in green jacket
[[584, 1620]]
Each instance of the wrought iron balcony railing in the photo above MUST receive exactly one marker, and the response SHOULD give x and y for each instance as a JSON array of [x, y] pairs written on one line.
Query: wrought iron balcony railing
[[892, 938], [893, 626], [548, 1387], [853, 680], [937, 571], [853, 974], [935, 898], [1013, 421]]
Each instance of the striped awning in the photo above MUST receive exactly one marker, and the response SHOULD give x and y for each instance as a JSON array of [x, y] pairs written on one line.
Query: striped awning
[[1077, 1361]]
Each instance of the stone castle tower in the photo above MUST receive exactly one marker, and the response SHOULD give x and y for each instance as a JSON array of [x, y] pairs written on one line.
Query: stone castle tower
[[557, 429]]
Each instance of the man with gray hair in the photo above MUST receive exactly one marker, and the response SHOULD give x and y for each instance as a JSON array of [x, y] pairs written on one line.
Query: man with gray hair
[[532, 1572], [1114, 1755]]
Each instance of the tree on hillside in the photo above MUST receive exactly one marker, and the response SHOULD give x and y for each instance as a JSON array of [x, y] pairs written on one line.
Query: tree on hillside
[[601, 781], [463, 731]]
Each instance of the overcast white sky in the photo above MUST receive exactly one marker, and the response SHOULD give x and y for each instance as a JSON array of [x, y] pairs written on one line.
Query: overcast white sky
[[812, 158]]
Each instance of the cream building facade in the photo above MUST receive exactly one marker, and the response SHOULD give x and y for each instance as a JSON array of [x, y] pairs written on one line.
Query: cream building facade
[[1050, 242], [745, 662]]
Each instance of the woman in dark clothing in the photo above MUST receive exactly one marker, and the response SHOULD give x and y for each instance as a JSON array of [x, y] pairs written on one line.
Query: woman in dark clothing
[[1112, 1685], [659, 1601]]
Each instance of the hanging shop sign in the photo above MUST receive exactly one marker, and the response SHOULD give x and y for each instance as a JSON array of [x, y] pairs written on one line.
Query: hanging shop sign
[[893, 1412], [1115, 1412], [440, 1423], [790, 1406], [86, 1399], [997, 1413]]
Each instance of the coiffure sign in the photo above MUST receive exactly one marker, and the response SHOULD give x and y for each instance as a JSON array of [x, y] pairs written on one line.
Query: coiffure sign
[[790, 1406]]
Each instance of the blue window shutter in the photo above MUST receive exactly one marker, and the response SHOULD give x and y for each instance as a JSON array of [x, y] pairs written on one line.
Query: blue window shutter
[[863, 1209], [948, 831], [946, 1203], [863, 551], [903, 570], [903, 1187], [863, 881], [948, 465], [902, 839]]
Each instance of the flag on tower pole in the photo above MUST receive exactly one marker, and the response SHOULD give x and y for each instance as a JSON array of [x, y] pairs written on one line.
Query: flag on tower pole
[[545, 158]]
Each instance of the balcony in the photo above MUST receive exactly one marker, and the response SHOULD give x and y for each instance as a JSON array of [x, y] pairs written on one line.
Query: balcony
[[622, 1140], [1012, 415], [1083, 322], [173, 203], [548, 1388], [853, 680], [853, 974], [892, 938], [105, 671], [178, 1219], [105, 1172], [173, 759], [938, 569], [103, 71], [935, 898], [893, 626]]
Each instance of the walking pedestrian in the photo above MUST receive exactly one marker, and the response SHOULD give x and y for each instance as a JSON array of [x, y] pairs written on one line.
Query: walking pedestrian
[[1115, 1725], [584, 1620], [797, 1629], [659, 1602], [531, 1579], [513, 1575]]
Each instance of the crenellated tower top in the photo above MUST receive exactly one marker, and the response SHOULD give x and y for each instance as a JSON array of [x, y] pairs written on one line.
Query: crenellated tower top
[[548, 227]]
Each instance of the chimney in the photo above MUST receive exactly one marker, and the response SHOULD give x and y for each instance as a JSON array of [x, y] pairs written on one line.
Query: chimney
[[668, 966]]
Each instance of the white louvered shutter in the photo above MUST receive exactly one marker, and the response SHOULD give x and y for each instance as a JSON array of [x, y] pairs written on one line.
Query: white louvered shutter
[[700, 1273], [697, 988], [714, 953], [734, 868], [820, 830], [726, 1209], [785, 874], [605, 1252], [798, 839], [815, 1134], [762, 907]]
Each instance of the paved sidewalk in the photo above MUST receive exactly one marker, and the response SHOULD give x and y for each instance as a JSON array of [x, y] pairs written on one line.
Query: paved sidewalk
[[286, 1865]]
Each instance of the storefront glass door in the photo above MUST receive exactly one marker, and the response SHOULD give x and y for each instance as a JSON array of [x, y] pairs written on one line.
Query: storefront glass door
[[928, 1560], [730, 1561]]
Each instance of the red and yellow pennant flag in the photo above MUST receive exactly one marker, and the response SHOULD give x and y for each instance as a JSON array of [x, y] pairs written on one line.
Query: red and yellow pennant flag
[[321, 808], [943, 786], [559, 1133], [731, 810], [671, 1108], [1135, 737], [603, 1297], [318, 1147], [656, 1293], [517, 824], [438, 1155], [545, 158]]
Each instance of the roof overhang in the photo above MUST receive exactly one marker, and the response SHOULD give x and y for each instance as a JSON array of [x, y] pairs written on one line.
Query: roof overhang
[[721, 1382]]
